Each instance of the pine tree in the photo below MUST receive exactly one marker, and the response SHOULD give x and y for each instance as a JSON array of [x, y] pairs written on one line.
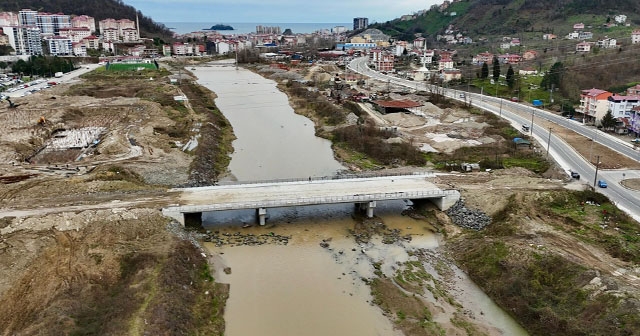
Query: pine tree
[[484, 74], [511, 78], [496, 68], [608, 121]]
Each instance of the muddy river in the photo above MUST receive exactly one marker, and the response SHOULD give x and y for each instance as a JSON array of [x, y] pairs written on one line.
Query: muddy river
[[302, 288]]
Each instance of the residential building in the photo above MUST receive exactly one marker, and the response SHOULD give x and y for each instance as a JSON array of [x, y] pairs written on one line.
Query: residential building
[[91, 42], [485, 57], [445, 63], [401, 46], [76, 34], [119, 30], [109, 34], [549, 37], [527, 71], [419, 43], [448, 75], [27, 17], [107, 24], [583, 47], [9, 19], [621, 106], [578, 26], [338, 30], [510, 59], [634, 90], [607, 43], [620, 18], [50, 24], [129, 35], [634, 122], [268, 30], [4, 39], [360, 23], [25, 40], [635, 36], [59, 45], [529, 55], [84, 21], [585, 35], [593, 104], [80, 49], [381, 60]]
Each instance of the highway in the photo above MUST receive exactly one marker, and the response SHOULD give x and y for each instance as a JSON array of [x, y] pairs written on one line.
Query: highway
[[565, 155], [21, 92]]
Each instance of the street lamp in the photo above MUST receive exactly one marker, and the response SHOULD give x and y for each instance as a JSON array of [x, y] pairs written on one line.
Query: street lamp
[[595, 178], [595, 137], [549, 142], [533, 113]]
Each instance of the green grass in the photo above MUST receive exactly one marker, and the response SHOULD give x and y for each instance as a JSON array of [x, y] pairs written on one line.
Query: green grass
[[130, 66]]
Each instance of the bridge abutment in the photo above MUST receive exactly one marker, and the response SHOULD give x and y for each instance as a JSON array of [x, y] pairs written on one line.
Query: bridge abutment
[[262, 216], [444, 203], [193, 219]]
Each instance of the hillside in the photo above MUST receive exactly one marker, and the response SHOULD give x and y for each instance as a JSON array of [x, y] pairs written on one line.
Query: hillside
[[99, 9], [497, 17]]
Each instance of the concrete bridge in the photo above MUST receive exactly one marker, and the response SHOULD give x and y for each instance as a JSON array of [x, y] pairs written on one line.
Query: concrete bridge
[[364, 192]]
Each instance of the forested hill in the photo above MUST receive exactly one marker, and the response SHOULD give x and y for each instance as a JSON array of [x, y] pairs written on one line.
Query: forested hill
[[495, 17], [99, 9]]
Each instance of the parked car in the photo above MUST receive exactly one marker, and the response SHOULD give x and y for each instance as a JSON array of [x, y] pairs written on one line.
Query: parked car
[[515, 99], [574, 174], [636, 140], [525, 128], [602, 184]]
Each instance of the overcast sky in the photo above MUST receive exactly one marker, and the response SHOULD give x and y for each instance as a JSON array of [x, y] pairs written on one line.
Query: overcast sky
[[277, 11]]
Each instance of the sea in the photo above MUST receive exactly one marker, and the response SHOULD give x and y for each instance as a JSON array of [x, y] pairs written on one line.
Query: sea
[[250, 27]]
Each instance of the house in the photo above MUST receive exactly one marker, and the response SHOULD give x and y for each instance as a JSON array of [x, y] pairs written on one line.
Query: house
[[620, 19], [607, 43], [505, 45], [583, 47], [485, 57], [622, 126], [509, 59], [549, 37], [585, 35], [635, 36], [594, 104], [621, 106], [634, 123], [381, 60], [445, 63], [529, 55], [450, 74], [572, 36], [634, 90], [527, 71], [578, 26]]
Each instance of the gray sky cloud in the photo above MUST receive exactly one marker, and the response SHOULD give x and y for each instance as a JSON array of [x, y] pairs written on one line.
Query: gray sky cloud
[[277, 10]]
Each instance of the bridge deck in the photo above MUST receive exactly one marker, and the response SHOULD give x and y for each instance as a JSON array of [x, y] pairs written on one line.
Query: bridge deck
[[267, 195]]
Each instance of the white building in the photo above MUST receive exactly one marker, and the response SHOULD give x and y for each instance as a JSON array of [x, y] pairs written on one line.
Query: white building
[[621, 106], [84, 21], [620, 18], [59, 45], [24, 40], [76, 34], [635, 36]]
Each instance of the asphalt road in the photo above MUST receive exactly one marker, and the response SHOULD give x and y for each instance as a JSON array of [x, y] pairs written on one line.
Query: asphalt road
[[565, 155], [65, 78]]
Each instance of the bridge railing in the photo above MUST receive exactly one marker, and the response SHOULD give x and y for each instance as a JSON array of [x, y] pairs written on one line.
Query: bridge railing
[[326, 178], [317, 200]]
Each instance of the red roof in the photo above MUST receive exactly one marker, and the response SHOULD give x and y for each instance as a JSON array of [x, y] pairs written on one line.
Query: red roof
[[397, 103]]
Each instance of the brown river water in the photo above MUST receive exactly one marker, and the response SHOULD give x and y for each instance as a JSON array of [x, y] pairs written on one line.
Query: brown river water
[[302, 288]]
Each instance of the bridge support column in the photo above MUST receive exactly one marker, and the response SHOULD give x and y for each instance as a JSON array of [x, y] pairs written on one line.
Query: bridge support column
[[367, 208], [193, 219], [262, 216]]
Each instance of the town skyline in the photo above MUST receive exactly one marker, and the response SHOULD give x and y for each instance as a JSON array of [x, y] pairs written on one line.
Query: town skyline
[[230, 11]]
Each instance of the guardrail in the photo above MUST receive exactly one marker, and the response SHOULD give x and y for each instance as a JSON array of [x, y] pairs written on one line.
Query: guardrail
[[326, 178], [315, 201]]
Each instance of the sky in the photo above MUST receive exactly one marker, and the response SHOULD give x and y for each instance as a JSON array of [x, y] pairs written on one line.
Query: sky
[[277, 11]]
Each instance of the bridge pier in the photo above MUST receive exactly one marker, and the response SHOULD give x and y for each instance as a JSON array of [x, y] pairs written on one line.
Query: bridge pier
[[367, 207], [262, 216]]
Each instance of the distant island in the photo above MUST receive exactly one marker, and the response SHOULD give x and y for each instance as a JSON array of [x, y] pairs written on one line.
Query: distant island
[[219, 27]]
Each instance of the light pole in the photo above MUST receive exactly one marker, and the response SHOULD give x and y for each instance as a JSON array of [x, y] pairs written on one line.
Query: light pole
[[533, 113], [595, 137], [595, 178], [549, 142]]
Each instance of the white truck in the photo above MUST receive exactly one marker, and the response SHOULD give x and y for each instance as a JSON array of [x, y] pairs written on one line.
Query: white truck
[[58, 74]]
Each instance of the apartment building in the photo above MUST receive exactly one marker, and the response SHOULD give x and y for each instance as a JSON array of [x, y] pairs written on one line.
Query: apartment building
[[360, 23], [59, 45], [622, 106], [75, 34], [594, 104], [84, 21], [25, 40], [118, 30], [50, 24]]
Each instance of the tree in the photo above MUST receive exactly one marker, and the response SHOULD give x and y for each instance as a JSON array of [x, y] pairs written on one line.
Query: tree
[[484, 73], [511, 78], [553, 77], [608, 121], [496, 68]]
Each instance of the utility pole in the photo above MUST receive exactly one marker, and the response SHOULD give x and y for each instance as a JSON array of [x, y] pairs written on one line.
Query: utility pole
[[595, 136], [595, 178], [500, 107], [549, 142], [533, 113]]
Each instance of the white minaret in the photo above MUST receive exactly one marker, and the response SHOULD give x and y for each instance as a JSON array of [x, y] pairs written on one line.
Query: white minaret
[[423, 73], [138, 26]]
